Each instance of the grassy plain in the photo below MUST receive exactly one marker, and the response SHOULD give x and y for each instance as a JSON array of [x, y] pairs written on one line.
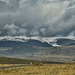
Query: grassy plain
[[45, 69], [6, 65]]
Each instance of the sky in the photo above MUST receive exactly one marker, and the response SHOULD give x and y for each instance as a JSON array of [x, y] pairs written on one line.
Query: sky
[[41, 18]]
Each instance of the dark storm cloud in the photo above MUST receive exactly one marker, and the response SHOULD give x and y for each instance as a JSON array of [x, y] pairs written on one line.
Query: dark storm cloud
[[43, 18]]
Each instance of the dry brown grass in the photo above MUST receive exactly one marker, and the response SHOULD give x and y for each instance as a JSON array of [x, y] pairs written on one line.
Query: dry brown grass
[[6, 65], [51, 69]]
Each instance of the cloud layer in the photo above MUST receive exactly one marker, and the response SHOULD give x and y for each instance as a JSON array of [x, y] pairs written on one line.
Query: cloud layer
[[43, 18]]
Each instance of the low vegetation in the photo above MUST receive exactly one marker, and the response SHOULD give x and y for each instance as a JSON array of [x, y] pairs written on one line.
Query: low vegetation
[[5, 65], [45, 69], [36, 67], [37, 64], [5, 60]]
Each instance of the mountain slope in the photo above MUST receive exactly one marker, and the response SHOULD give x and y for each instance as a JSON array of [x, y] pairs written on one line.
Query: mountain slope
[[41, 51], [64, 42], [65, 53], [9, 43]]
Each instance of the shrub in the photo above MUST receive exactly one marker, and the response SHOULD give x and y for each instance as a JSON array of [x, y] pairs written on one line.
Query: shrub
[[37, 64]]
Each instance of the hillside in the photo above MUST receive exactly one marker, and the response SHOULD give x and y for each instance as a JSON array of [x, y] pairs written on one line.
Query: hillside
[[6, 60], [65, 41], [65, 50], [65, 53]]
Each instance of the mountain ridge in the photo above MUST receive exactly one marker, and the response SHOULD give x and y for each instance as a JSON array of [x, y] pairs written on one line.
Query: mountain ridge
[[10, 43]]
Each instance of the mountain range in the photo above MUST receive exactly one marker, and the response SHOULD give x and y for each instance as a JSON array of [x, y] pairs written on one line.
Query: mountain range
[[36, 49], [61, 54]]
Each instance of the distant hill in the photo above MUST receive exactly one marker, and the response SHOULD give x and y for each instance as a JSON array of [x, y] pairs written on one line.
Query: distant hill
[[9, 43], [65, 53], [64, 42], [41, 51]]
